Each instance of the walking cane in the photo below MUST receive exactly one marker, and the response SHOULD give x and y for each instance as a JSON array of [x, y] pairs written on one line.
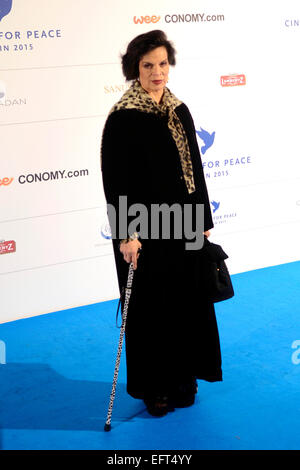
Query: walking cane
[[107, 426]]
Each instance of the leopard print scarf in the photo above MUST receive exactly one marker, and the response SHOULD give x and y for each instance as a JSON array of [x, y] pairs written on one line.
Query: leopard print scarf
[[137, 98]]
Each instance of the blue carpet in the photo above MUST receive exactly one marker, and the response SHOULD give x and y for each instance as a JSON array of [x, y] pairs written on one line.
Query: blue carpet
[[56, 382]]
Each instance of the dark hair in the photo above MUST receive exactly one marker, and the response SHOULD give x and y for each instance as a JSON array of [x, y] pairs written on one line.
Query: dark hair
[[140, 46]]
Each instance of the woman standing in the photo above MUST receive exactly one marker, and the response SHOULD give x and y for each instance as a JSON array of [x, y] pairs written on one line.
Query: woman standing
[[150, 155]]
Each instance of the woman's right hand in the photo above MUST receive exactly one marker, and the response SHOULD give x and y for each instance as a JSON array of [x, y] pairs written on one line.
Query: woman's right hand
[[130, 252]]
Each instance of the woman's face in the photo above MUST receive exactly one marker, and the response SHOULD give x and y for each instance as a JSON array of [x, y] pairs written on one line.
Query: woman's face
[[154, 70]]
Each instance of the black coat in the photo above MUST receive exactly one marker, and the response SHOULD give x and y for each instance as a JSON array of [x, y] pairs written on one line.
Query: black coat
[[171, 331]]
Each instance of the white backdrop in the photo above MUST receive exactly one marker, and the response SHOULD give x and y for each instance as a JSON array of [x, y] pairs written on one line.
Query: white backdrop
[[237, 70]]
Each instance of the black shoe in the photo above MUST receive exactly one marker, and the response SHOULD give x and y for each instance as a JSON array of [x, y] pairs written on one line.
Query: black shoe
[[184, 394], [158, 406]]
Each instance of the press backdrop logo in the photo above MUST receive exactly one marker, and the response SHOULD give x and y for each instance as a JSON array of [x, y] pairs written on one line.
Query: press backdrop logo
[[7, 101], [116, 88], [24, 41], [233, 80], [191, 17], [5, 7], [2, 92], [5, 181], [106, 231], [221, 214], [52, 175], [215, 205], [7, 247], [208, 139], [292, 23], [214, 167], [146, 19]]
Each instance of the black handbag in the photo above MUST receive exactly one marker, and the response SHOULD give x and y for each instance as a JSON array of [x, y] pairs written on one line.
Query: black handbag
[[215, 281]]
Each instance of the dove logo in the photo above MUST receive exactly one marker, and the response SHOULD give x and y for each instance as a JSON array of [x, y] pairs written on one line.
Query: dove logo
[[215, 205], [5, 7], [207, 138], [106, 231]]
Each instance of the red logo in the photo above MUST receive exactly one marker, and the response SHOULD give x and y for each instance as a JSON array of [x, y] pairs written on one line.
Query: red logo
[[233, 80], [5, 181], [7, 247], [146, 19]]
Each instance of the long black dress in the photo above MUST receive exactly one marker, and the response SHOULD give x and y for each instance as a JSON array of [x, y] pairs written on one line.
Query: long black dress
[[171, 332]]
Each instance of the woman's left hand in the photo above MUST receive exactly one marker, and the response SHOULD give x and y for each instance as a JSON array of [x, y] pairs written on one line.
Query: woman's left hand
[[207, 233]]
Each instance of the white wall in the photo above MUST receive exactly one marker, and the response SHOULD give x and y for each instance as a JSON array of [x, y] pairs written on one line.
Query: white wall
[[59, 76]]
